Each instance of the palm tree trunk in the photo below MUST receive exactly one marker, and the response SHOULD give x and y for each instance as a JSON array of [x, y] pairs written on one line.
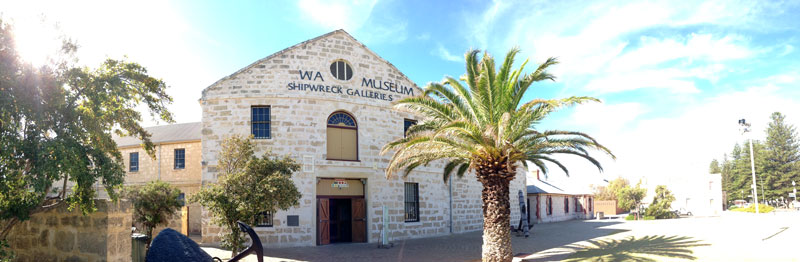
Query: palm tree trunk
[[495, 177]]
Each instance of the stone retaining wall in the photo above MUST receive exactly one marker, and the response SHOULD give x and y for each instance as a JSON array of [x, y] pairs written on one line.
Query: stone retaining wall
[[61, 235]]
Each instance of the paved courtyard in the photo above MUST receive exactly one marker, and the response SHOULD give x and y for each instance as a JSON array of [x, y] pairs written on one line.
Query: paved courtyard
[[730, 237]]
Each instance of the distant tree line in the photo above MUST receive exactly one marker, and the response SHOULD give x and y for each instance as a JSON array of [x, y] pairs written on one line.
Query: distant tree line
[[777, 162]]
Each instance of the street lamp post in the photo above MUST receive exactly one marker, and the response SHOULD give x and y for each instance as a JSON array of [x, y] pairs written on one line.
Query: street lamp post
[[745, 129]]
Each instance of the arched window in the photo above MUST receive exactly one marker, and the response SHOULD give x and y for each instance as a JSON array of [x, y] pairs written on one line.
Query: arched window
[[342, 137]]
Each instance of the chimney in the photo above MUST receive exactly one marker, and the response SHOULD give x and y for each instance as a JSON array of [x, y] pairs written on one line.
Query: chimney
[[537, 175]]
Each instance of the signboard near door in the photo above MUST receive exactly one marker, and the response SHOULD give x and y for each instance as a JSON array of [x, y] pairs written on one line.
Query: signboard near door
[[341, 211]]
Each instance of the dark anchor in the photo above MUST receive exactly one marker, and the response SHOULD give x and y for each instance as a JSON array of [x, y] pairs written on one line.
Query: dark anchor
[[523, 214], [170, 245]]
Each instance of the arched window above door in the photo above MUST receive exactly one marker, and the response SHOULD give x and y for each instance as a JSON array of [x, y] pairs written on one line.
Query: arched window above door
[[342, 137]]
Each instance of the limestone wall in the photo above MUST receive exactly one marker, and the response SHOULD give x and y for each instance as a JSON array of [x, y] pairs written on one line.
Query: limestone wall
[[187, 180], [60, 235], [584, 211], [149, 167], [298, 128]]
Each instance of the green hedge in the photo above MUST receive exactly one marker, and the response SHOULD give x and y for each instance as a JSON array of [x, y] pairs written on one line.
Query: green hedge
[[752, 209], [630, 217]]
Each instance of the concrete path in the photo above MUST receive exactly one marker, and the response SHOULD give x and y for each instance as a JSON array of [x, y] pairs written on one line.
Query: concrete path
[[456, 247], [733, 236]]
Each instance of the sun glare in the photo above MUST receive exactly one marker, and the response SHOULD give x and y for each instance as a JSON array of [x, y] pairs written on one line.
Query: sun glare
[[36, 40]]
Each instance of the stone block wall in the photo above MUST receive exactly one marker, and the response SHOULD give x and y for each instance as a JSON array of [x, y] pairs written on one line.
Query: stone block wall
[[298, 128], [149, 167], [187, 180], [61, 235]]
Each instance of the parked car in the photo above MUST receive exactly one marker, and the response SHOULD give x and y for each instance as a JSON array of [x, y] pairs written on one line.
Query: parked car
[[683, 212]]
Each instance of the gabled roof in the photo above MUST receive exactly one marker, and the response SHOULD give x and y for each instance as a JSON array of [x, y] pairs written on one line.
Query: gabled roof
[[257, 62], [164, 134]]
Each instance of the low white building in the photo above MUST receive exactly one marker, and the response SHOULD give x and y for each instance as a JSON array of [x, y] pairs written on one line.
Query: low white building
[[550, 201], [701, 195]]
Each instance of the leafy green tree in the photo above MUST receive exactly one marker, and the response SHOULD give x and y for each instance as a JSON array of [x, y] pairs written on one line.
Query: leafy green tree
[[247, 187], [782, 158], [56, 123], [714, 167], [661, 207], [483, 125], [631, 197], [153, 204], [611, 191]]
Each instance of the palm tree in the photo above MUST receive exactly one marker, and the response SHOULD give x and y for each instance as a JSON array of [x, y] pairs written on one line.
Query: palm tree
[[485, 127]]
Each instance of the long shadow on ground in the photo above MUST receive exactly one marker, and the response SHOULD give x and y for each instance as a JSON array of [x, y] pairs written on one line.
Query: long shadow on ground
[[644, 249], [456, 247]]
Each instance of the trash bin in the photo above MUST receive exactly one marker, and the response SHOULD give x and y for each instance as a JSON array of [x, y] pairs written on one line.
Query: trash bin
[[138, 247], [600, 215]]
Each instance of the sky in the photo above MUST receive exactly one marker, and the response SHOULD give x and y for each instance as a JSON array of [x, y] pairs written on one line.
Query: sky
[[674, 77]]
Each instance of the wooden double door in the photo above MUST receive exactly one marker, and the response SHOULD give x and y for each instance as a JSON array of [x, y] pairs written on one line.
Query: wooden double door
[[341, 219]]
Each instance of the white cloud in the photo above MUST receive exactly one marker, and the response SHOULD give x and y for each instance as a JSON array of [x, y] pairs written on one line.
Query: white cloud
[[386, 32], [788, 49], [612, 39], [609, 116], [673, 80], [443, 53], [424, 36], [483, 28], [654, 51], [338, 14], [664, 149]]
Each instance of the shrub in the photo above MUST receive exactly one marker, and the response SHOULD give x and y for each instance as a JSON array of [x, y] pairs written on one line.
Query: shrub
[[153, 204], [752, 209], [6, 254], [630, 217], [662, 202], [649, 218]]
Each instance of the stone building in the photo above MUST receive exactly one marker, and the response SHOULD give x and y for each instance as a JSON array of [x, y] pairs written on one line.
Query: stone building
[[551, 202], [177, 161], [327, 102]]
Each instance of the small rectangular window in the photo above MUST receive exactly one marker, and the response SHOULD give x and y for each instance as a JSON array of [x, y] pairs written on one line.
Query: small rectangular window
[[182, 199], [407, 123], [549, 205], [260, 121], [566, 205], [180, 158], [133, 164], [576, 204], [412, 202], [264, 219]]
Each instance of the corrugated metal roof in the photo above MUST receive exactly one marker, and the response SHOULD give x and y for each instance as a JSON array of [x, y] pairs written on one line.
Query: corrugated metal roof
[[165, 134]]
